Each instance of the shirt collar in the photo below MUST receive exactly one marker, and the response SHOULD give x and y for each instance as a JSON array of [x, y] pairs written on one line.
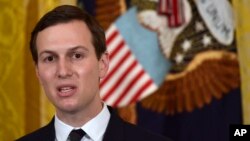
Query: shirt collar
[[62, 129], [94, 128]]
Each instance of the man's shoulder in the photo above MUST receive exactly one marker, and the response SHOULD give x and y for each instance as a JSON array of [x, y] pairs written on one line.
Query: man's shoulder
[[33, 135], [135, 132], [45, 133], [127, 131]]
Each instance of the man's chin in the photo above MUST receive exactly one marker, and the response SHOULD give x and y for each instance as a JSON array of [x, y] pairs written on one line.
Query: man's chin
[[68, 108]]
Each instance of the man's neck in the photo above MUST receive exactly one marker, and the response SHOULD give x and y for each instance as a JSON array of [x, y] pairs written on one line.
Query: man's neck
[[79, 118]]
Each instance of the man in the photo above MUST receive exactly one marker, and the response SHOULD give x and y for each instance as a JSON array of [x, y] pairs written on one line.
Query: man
[[69, 51]]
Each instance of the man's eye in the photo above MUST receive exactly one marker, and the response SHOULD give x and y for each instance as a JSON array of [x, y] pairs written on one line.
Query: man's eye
[[77, 55], [49, 59]]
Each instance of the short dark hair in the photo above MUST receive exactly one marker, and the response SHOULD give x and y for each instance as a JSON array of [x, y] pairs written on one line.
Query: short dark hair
[[64, 14]]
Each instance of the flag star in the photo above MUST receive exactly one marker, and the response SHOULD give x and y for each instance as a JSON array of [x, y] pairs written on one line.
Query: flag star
[[199, 26], [179, 58], [206, 40], [186, 45]]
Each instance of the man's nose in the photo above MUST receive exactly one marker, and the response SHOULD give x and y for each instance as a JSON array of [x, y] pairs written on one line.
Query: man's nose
[[64, 69]]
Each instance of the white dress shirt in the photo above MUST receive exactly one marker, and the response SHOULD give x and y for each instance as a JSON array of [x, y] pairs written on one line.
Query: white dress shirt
[[94, 128]]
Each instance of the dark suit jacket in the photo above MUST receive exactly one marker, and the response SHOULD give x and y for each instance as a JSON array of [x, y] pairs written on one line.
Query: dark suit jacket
[[117, 130]]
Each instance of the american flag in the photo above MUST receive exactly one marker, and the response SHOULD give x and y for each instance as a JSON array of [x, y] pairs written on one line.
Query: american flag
[[126, 81], [174, 10], [131, 76]]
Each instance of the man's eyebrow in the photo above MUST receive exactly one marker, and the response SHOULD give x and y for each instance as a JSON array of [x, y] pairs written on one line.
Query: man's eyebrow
[[46, 52], [79, 47], [70, 50]]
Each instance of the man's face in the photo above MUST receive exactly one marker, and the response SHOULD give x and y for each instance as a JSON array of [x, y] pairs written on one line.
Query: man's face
[[68, 68]]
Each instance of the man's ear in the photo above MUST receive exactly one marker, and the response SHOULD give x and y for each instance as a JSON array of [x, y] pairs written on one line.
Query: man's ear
[[103, 64], [37, 72]]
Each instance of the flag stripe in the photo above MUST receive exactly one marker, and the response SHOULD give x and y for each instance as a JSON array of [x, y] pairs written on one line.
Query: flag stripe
[[149, 91], [114, 43], [140, 91], [163, 6], [181, 13], [110, 31], [136, 88], [119, 57], [112, 81], [115, 52], [120, 80], [111, 37], [117, 66], [175, 12], [119, 46], [119, 90], [138, 76]]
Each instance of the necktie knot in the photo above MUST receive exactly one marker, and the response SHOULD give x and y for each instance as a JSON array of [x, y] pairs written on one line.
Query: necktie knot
[[76, 135]]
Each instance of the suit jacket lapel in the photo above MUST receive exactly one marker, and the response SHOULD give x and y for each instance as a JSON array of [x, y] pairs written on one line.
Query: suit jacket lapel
[[115, 129], [48, 132]]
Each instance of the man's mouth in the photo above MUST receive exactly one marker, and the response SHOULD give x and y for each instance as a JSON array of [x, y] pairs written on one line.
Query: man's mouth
[[66, 90]]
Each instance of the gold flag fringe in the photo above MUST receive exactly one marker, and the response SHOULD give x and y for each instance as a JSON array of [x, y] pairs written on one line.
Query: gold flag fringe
[[209, 75], [128, 113]]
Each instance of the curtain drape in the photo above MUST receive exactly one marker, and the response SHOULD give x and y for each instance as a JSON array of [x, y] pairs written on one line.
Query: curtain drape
[[242, 11], [23, 106]]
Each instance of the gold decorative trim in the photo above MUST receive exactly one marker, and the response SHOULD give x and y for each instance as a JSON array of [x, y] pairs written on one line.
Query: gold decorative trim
[[209, 75]]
